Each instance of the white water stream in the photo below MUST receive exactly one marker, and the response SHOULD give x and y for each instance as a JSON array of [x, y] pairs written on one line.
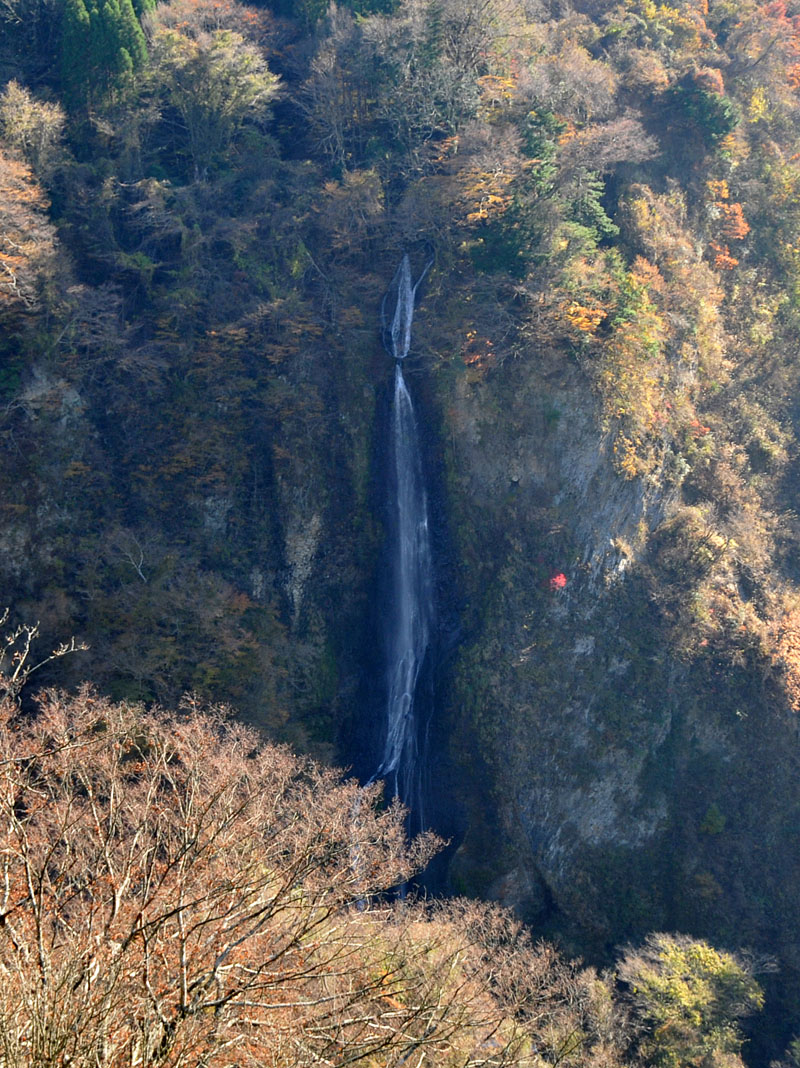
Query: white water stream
[[410, 609]]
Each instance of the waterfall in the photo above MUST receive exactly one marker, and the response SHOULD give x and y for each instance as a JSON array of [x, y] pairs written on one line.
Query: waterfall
[[411, 609], [397, 333]]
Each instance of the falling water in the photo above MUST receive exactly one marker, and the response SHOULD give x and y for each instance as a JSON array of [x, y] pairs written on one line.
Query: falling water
[[397, 334], [411, 606]]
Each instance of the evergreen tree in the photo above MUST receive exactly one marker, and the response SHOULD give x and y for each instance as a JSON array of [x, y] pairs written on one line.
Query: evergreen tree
[[103, 44], [131, 37], [75, 51]]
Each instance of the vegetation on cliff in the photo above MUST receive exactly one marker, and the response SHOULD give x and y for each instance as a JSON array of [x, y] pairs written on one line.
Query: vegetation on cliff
[[200, 207]]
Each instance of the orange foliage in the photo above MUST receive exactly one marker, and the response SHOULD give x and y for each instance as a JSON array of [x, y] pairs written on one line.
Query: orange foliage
[[587, 320], [194, 17], [496, 92], [177, 877], [697, 430], [723, 260], [570, 131], [786, 654], [644, 273], [177, 893], [710, 79], [732, 146], [625, 455], [478, 352], [487, 193], [734, 227], [26, 237]]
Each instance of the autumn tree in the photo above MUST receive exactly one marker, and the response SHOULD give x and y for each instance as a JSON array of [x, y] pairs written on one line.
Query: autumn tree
[[389, 87], [175, 892], [193, 18], [165, 903], [27, 238], [692, 998], [32, 127], [215, 81]]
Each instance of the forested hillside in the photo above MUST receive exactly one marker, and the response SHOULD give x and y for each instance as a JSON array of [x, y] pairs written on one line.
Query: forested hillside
[[202, 204]]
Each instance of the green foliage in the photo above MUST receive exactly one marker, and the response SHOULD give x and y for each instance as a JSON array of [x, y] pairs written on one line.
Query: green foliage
[[540, 133], [692, 997], [216, 81], [499, 247], [102, 46], [588, 209], [10, 375], [75, 43], [711, 115], [714, 820]]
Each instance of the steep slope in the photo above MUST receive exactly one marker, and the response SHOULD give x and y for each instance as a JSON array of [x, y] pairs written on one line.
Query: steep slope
[[194, 390]]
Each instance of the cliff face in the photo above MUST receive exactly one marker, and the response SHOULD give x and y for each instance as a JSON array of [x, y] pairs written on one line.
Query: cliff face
[[198, 509], [640, 752], [620, 761], [194, 392], [631, 769]]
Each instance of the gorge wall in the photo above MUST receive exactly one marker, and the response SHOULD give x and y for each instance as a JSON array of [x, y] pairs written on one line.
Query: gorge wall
[[193, 389]]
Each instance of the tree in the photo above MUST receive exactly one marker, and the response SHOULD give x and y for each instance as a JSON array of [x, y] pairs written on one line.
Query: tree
[[16, 666], [27, 238], [193, 18], [32, 127], [691, 997], [75, 42], [102, 45], [707, 114], [216, 81], [175, 893]]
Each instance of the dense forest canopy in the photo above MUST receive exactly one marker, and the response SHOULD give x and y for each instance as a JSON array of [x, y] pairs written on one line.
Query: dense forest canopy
[[201, 205]]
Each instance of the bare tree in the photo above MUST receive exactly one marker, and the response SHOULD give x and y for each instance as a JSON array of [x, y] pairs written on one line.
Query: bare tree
[[27, 238], [174, 893], [17, 659]]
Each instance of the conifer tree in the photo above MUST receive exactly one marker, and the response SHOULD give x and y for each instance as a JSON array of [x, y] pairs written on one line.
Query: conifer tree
[[103, 44], [75, 50], [131, 37]]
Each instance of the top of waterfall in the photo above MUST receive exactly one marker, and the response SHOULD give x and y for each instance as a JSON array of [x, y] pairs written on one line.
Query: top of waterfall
[[397, 333]]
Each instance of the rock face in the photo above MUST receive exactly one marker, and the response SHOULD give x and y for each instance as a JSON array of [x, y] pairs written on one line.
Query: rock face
[[635, 767], [193, 406], [612, 746]]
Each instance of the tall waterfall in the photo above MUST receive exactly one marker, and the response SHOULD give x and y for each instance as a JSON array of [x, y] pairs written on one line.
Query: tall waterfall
[[411, 611]]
